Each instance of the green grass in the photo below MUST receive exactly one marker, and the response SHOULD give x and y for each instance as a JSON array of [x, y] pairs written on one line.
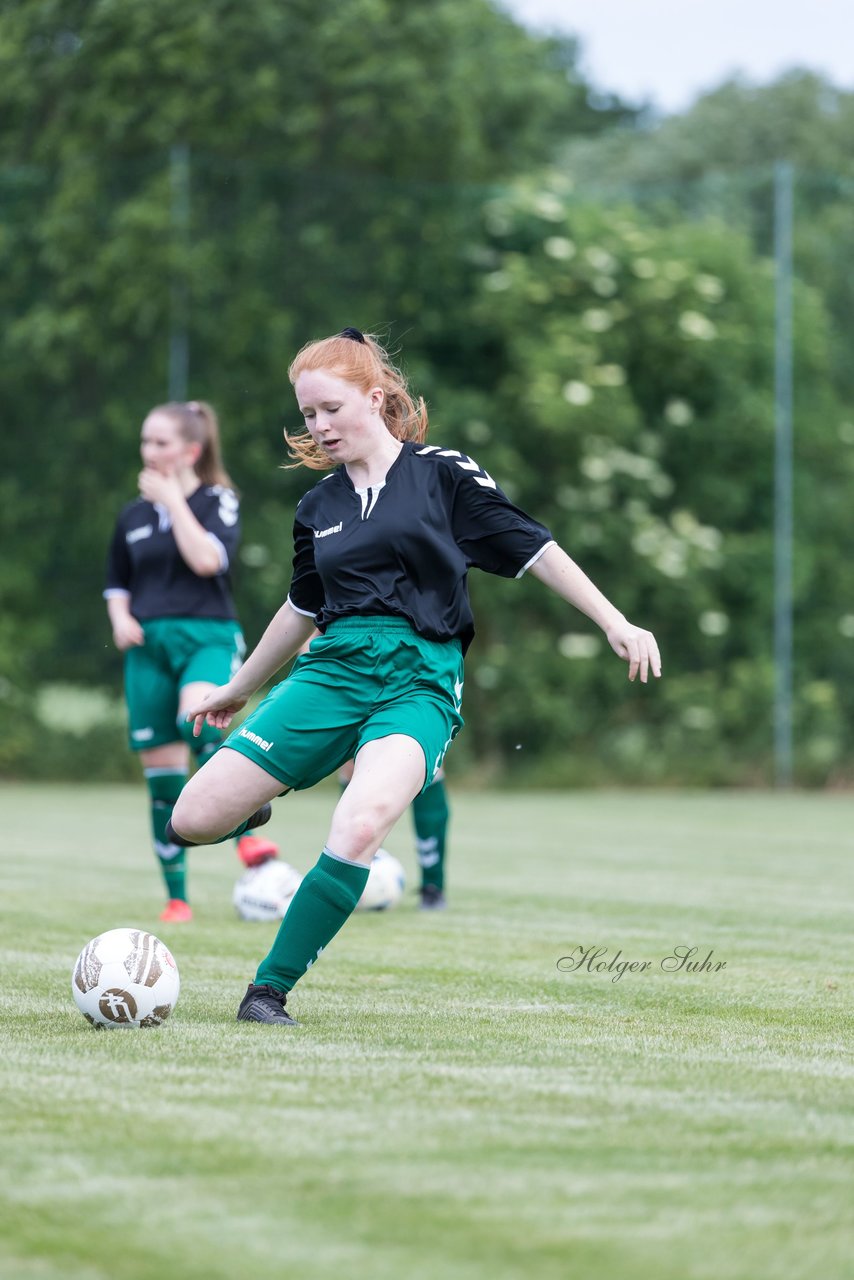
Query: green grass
[[451, 1105]]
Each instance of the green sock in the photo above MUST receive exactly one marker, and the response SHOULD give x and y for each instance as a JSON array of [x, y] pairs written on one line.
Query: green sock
[[320, 906], [430, 815], [164, 788]]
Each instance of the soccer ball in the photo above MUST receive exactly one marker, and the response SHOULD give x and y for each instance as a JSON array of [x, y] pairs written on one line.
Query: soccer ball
[[385, 884], [265, 892], [125, 978]]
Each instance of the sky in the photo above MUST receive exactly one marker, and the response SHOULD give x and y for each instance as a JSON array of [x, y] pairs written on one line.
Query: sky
[[670, 51]]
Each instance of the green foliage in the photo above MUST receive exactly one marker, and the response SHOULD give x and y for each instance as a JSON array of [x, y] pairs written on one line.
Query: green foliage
[[610, 362], [719, 156], [626, 371], [323, 144]]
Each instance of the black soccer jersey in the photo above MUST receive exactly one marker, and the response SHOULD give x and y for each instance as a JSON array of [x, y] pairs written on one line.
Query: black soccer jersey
[[404, 548], [144, 560]]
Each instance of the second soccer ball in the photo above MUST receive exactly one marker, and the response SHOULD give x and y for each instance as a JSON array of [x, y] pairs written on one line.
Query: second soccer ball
[[265, 892], [385, 885]]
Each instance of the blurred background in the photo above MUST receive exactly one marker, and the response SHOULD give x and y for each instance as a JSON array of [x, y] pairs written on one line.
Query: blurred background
[[614, 253]]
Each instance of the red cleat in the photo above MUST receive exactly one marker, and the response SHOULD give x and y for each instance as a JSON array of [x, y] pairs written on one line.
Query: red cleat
[[253, 850], [176, 911]]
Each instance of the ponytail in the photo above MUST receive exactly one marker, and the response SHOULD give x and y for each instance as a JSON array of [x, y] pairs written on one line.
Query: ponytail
[[198, 424]]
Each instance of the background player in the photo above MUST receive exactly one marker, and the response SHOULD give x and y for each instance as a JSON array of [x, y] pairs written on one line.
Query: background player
[[382, 549], [169, 600]]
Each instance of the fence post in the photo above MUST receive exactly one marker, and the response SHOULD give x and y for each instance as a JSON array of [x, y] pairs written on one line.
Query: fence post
[[179, 220], [783, 504]]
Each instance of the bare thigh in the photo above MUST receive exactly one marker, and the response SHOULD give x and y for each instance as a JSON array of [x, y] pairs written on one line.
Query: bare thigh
[[387, 776], [191, 694], [171, 755], [221, 795]]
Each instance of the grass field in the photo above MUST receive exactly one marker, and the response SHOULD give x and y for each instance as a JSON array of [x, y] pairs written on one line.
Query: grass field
[[453, 1104]]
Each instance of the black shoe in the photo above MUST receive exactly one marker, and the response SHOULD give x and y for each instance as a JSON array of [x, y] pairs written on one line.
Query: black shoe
[[264, 1004], [259, 818], [432, 898]]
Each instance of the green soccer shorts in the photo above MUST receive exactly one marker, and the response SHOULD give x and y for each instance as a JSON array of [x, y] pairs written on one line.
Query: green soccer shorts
[[364, 679], [177, 652]]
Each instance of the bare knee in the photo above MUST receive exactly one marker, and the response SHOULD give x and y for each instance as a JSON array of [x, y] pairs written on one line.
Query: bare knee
[[188, 819], [357, 834], [198, 817]]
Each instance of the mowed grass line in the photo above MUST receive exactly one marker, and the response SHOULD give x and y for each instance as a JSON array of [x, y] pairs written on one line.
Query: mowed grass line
[[452, 1104]]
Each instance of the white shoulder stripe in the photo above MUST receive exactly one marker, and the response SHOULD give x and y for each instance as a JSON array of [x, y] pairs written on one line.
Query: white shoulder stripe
[[221, 552], [463, 461]]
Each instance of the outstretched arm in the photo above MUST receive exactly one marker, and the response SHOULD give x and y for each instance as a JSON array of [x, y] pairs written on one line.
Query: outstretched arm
[[283, 637], [563, 576]]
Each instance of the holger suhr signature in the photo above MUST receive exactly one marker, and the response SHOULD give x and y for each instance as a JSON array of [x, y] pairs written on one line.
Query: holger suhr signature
[[681, 959]]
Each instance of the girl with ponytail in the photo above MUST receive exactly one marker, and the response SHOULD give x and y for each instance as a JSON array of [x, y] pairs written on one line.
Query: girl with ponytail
[[170, 604]]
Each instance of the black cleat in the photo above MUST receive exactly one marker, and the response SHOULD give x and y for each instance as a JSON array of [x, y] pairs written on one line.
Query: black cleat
[[264, 1004], [259, 818], [432, 898]]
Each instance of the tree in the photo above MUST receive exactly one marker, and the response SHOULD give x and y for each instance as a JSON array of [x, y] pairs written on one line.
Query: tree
[[625, 373], [718, 157], [333, 154]]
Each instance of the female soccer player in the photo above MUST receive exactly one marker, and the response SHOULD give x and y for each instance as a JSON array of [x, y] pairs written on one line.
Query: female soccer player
[[382, 547], [169, 602]]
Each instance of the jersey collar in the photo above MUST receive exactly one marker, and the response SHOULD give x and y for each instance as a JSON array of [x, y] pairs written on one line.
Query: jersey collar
[[342, 470]]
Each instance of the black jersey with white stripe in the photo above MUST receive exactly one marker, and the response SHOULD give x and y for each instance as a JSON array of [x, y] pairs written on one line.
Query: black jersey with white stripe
[[144, 561], [404, 548]]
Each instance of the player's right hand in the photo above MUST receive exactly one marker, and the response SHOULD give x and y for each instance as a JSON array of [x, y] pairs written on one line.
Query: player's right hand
[[127, 634], [217, 708]]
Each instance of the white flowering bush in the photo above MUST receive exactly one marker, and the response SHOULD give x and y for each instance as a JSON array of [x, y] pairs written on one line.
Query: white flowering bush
[[630, 376]]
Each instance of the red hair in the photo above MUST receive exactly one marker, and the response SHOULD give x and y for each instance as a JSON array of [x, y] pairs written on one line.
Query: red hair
[[359, 359]]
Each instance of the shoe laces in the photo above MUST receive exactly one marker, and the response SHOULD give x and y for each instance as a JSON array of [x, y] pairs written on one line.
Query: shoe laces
[[270, 993]]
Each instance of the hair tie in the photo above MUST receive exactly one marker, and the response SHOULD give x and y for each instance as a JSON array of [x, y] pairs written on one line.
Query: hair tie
[[353, 334], [194, 406]]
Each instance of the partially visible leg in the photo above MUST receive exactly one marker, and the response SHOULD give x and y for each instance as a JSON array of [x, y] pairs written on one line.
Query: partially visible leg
[[430, 815], [208, 741], [216, 801], [251, 849], [165, 770], [152, 698], [387, 774]]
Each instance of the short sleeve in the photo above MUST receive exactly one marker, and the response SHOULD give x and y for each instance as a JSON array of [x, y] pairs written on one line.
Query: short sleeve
[[118, 577], [306, 591], [492, 533], [222, 522]]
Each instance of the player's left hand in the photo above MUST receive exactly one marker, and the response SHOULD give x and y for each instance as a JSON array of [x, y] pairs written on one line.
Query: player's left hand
[[158, 486], [637, 647]]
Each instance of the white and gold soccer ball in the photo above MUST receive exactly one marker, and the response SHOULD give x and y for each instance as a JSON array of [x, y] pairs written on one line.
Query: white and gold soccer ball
[[385, 884], [125, 978], [265, 892]]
